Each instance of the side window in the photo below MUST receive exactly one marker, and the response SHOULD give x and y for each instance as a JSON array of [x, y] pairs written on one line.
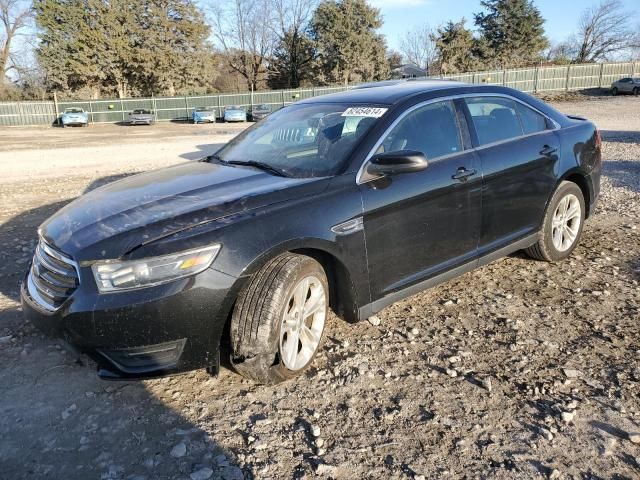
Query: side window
[[432, 130], [532, 121], [494, 119]]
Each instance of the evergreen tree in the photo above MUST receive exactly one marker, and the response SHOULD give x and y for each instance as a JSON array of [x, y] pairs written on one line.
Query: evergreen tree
[[511, 33], [456, 48], [121, 47], [348, 46], [292, 60]]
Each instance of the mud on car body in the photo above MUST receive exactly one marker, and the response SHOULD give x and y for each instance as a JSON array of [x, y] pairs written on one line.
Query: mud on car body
[[346, 202]]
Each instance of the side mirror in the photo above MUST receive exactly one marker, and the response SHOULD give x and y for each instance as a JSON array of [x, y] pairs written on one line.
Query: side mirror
[[401, 161]]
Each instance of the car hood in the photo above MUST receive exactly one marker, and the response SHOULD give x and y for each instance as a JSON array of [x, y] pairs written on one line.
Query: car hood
[[110, 221]]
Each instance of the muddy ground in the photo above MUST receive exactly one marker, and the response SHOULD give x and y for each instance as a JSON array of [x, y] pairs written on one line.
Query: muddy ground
[[520, 369]]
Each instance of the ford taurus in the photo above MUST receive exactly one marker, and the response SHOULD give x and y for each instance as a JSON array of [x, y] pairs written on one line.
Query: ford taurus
[[348, 202]]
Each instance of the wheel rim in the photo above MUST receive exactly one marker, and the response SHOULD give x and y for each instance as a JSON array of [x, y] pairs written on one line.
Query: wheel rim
[[566, 222], [303, 323]]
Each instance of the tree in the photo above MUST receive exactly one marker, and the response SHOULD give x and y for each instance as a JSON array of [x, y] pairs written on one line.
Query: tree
[[559, 53], [348, 46], [456, 48], [394, 59], [511, 33], [170, 51], [294, 53], [15, 15], [603, 30], [244, 30], [292, 63], [121, 47], [419, 47]]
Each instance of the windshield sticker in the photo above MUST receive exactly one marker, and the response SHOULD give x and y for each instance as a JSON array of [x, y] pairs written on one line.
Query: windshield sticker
[[373, 112]]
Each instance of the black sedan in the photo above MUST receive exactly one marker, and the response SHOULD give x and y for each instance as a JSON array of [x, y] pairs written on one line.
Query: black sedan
[[349, 201]]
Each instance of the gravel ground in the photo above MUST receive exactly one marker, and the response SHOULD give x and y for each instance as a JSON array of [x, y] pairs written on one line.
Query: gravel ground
[[520, 369]]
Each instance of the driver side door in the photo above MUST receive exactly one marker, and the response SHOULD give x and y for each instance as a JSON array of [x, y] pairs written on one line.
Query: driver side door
[[421, 224]]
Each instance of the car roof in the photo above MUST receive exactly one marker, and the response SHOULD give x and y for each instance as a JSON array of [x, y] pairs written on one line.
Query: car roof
[[387, 92]]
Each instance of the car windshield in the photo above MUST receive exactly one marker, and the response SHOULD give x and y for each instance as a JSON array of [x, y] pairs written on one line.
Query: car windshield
[[74, 110], [233, 107], [263, 106], [141, 112], [204, 109], [303, 140]]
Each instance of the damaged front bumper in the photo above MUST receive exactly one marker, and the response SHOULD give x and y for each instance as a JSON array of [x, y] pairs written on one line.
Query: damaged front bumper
[[149, 332]]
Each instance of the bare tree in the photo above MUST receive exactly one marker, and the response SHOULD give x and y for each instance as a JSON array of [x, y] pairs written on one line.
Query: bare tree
[[418, 47], [603, 30], [244, 31], [15, 15]]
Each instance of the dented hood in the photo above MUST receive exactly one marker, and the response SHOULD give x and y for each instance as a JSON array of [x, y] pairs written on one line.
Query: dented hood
[[112, 220]]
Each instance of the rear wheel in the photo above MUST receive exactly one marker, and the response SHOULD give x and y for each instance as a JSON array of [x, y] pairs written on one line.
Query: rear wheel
[[636, 91], [278, 322], [562, 224]]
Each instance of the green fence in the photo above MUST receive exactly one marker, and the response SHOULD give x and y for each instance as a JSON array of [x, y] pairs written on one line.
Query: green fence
[[533, 80]]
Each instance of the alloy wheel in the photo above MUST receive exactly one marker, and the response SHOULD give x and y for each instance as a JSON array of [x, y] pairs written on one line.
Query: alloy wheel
[[302, 323], [566, 222]]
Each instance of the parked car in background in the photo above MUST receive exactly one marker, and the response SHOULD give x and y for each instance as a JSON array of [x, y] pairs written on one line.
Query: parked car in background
[[235, 113], [351, 201], [626, 85], [74, 116], [258, 112], [203, 115], [142, 116]]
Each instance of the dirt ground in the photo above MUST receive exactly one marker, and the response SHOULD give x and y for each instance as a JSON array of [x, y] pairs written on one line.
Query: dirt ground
[[521, 369]]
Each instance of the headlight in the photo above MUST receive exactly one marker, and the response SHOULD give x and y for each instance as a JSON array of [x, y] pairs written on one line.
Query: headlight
[[113, 276]]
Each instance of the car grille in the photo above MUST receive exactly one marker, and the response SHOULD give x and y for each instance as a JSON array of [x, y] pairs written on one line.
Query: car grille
[[53, 277]]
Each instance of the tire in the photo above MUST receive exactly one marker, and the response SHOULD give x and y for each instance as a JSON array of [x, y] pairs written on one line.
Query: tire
[[614, 91], [268, 321], [636, 91], [562, 225]]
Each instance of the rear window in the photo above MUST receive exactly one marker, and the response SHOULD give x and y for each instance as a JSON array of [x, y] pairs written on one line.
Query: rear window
[[494, 119], [532, 121]]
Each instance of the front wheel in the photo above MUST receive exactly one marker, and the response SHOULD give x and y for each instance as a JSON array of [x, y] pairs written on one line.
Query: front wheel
[[278, 322], [562, 224], [614, 91]]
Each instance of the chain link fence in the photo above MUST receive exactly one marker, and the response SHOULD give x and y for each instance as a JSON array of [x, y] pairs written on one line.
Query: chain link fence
[[179, 109]]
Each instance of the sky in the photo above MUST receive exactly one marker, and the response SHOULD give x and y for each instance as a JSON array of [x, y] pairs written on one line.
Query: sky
[[561, 16]]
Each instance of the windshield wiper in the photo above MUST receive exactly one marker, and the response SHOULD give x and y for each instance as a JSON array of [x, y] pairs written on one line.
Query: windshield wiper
[[262, 166]]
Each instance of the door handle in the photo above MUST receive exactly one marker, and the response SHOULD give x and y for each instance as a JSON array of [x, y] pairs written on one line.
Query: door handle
[[547, 151], [462, 174]]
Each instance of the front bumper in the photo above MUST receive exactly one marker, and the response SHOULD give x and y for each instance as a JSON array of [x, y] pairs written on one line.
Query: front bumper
[[73, 121], [147, 332]]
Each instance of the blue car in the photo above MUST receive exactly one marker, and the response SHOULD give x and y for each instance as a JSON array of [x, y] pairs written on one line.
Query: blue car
[[74, 116], [203, 115], [235, 113]]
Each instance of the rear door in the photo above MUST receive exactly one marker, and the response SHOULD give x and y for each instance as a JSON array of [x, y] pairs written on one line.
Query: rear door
[[422, 223], [518, 152]]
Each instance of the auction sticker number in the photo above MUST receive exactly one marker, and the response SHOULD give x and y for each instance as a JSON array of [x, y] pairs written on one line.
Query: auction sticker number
[[373, 112]]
